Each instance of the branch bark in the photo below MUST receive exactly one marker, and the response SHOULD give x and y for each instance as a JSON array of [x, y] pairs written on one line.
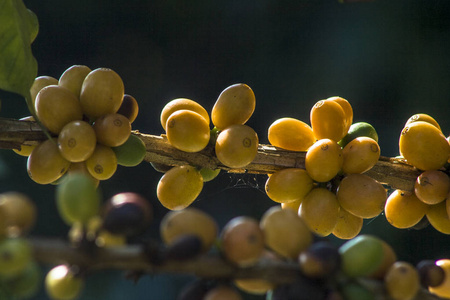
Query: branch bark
[[393, 172], [209, 266]]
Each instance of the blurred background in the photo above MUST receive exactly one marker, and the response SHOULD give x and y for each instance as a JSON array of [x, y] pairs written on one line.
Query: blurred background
[[389, 59]]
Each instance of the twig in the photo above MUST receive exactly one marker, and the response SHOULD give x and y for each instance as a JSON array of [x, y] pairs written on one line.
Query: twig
[[390, 171], [134, 258], [209, 266], [393, 172]]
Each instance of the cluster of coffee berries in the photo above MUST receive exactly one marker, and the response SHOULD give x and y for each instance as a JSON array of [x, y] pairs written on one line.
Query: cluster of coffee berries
[[123, 216], [89, 118], [187, 127], [331, 193], [325, 270], [423, 145]]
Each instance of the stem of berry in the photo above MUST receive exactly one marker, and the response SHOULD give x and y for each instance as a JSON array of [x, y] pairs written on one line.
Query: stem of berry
[[393, 172]]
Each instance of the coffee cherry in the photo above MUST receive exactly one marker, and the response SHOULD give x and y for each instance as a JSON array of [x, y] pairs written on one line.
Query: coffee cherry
[[129, 108], [361, 195], [81, 167], [424, 118], [127, 214], [360, 155], [423, 223], [77, 198], [62, 284], [112, 130], [46, 164], [347, 108], [131, 153], [179, 187], [184, 247], [432, 187], [27, 283], [320, 260], [402, 281], [39, 83], [294, 205], [443, 290], [291, 134], [189, 221], [15, 255], [288, 185], [389, 258], [361, 256], [234, 106], [101, 93], [438, 217], [18, 212], [209, 174], [187, 131], [242, 241], [324, 160], [424, 146], [359, 129], [404, 209], [56, 106], [431, 275], [182, 104], [348, 226], [237, 146], [284, 232], [328, 120], [320, 211], [72, 78], [102, 164], [77, 141]]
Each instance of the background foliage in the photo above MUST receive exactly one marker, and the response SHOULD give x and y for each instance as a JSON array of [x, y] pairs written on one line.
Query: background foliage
[[390, 59]]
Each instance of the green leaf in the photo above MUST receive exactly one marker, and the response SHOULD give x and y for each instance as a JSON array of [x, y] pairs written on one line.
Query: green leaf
[[18, 67]]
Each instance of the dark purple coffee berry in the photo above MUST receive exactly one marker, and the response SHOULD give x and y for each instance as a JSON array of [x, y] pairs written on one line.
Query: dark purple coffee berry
[[184, 247], [129, 108], [320, 260], [430, 274], [127, 213]]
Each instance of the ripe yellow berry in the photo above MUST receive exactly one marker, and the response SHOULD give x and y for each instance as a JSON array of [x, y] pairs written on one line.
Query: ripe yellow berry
[[424, 146], [320, 211], [324, 160], [237, 146], [361, 195], [234, 106], [291, 134], [360, 155], [328, 120], [179, 104], [288, 185], [402, 281]]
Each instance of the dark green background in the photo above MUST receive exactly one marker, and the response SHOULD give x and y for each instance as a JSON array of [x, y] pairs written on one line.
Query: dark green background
[[390, 59]]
